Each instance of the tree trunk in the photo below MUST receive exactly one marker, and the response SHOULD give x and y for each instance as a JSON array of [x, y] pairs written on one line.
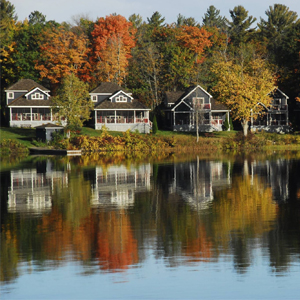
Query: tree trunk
[[245, 127], [197, 126]]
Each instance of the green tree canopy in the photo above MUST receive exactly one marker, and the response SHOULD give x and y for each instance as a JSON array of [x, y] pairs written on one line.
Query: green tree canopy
[[239, 27], [212, 18], [72, 101], [37, 17]]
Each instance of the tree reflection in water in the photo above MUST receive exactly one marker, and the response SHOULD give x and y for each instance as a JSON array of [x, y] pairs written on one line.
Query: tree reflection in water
[[186, 212]]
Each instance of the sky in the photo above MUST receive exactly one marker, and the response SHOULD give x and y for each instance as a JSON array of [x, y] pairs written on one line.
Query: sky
[[65, 10]]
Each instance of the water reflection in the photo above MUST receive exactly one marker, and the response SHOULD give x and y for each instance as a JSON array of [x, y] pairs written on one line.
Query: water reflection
[[107, 217]]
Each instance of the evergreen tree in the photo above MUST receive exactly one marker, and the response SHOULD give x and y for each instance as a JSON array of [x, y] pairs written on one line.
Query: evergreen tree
[[212, 18], [239, 28], [154, 125]]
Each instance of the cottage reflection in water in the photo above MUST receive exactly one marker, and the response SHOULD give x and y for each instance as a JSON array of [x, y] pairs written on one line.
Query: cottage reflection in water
[[277, 174], [197, 181], [116, 185], [31, 189], [107, 217]]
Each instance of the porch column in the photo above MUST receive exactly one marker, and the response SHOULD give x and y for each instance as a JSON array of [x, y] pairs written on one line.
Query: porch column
[[10, 114], [174, 118], [134, 117], [51, 117], [30, 114], [228, 120], [115, 116]]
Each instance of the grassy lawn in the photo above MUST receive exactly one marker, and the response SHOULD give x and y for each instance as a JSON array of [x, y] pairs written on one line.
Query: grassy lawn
[[23, 135]]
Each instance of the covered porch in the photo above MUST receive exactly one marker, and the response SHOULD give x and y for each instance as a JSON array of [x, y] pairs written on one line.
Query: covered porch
[[122, 120], [207, 120]]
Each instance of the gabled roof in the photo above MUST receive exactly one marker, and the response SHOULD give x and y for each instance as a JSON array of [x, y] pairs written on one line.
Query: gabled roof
[[26, 85], [277, 90], [178, 97], [107, 88], [119, 92], [187, 93], [37, 89]]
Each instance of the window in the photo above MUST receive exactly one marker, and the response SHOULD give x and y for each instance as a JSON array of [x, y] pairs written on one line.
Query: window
[[10, 95], [37, 96], [94, 98], [198, 102], [121, 98], [277, 101]]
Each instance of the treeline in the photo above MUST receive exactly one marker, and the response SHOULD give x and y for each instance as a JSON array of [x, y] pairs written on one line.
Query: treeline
[[149, 56]]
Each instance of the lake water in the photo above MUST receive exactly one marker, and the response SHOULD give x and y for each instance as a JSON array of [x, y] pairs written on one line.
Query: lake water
[[196, 228]]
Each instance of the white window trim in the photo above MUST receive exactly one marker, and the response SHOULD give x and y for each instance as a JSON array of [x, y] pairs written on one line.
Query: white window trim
[[37, 96], [10, 95], [121, 98], [202, 102], [94, 98]]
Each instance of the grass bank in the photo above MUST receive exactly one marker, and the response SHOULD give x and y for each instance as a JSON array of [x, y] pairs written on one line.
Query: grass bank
[[91, 140]]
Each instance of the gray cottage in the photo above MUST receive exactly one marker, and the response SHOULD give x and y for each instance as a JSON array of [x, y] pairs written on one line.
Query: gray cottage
[[274, 118], [28, 104], [185, 109], [116, 109]]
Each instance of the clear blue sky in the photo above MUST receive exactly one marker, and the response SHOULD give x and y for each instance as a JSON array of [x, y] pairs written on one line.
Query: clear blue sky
[[64, 10]]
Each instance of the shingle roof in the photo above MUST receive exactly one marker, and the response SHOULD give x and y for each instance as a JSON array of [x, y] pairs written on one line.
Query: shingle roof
[[49, 125], [176, 97], [216, 105], [107, 88], [107, 104], [26, 85], [172, 97], [22, 101]]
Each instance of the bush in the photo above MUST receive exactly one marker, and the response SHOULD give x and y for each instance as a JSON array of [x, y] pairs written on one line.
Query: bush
[[12, 146]]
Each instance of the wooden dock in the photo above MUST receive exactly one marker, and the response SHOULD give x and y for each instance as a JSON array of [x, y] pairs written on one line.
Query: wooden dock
[[46, 151]]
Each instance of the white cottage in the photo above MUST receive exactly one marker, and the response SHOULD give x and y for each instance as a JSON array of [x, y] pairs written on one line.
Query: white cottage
[[116, 109]]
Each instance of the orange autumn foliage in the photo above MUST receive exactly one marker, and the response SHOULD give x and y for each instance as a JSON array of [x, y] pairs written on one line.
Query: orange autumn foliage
[[113, 39], [64, 53], [196, 39]]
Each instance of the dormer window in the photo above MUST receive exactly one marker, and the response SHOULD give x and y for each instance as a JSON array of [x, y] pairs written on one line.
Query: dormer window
[[10, 95], [121, 98], [37, 96], [94, 98]]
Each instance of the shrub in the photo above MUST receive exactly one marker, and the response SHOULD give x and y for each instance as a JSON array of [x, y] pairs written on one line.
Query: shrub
[[12, 146]]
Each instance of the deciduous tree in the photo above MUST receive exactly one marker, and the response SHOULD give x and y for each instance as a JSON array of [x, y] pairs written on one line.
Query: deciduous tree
[[113, 39], [72, 101], [241, 85], [63, 52]]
